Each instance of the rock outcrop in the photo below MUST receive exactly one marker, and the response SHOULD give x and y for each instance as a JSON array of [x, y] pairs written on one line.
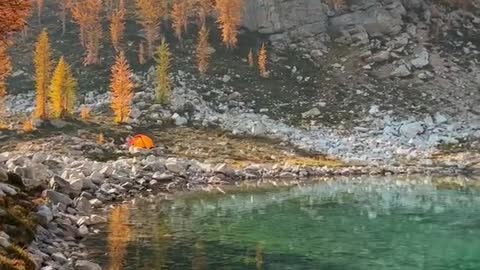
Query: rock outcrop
[[312, 22]]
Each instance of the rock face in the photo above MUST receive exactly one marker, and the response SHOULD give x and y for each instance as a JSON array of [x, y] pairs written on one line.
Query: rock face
[[312, 21], [286, 20]]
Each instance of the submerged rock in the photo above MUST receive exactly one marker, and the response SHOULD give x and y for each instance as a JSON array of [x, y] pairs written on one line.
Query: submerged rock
[[86, 265]]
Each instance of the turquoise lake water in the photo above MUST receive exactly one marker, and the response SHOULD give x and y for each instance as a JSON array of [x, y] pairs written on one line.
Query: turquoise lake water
[[343, 224]]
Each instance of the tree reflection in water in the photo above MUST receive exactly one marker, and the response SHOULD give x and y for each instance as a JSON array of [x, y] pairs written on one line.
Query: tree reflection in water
[[119, 235]]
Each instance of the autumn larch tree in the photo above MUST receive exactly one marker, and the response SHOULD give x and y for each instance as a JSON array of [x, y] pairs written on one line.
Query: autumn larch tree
[[65, 6], [150, 14], [42, 75], [262, 61], [62, 91], [203, 56], [117, 27], [122, 89], [230, 17], [204, 8], [5, 70], [87, 13], [179, 16], [13, 16], [163, 77]]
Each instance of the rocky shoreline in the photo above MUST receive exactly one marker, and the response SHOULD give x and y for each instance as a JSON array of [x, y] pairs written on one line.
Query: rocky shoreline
[[73, 186]]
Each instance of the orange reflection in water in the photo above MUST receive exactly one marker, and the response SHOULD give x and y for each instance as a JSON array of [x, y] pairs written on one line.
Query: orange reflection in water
[[119, 236]]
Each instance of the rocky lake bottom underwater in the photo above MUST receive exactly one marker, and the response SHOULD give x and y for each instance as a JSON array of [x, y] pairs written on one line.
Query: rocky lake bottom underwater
[[349, 223]]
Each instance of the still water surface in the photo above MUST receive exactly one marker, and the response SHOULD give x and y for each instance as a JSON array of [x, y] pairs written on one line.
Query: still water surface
[[360, 224]]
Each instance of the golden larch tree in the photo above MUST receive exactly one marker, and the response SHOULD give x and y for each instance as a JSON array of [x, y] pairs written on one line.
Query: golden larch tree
[[150, 14], [13, 16], [117, 27], [87, 14], [203, 55], [122, 89], [262, 61], [251, 60], [163, 77], [42, 75], [204, 9], [5, 70], [229, 17], [62, 91], [179, 16]]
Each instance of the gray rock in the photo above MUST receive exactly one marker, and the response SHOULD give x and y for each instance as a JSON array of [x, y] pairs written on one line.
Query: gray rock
[[45, 215], [162, 176], [57, 197], [175, 166], [225, 169], [39, 157], [401, 71], [59, 184], [440, 118], [59, 257], [96, 219], [97, 177], [4, 242], [8, 189], [107, 171], [3, 176], [422, 58], [374, 110], [179, 120], [59, 124], [76, 184], [86, 265], [83, 205], [135, 113], [96, 203], [411, 130], [258, 129], [83, 230], [226, 78], [311, 113], [381, 56]]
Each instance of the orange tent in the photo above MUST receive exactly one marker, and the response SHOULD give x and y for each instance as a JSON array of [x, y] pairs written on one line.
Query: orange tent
[[141, 141]]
